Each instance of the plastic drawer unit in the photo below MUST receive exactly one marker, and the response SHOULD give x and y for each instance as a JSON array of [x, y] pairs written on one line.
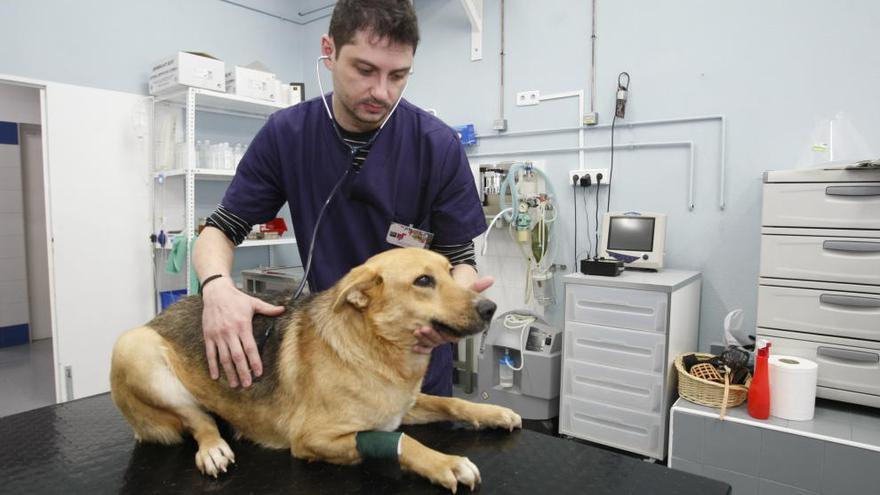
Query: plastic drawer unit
[[819, 292], [622, 335]]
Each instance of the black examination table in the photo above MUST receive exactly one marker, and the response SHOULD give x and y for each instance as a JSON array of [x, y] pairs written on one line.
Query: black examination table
[[85, 446]]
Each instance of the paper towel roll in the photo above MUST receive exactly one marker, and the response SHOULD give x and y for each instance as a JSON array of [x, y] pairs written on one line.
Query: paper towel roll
[[792, 387]]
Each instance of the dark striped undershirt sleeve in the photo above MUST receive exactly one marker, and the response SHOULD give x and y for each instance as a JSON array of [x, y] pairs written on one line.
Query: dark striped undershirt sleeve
[[457, 254], [233, 226]]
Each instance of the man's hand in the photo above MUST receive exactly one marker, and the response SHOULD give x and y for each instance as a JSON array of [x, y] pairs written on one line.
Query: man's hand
[[226, 323], [427, 338]]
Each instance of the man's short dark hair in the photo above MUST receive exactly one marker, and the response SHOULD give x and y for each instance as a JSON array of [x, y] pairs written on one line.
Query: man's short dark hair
[[394, 20]]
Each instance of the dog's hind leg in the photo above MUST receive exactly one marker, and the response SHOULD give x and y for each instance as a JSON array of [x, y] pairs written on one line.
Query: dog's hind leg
[[134, 358], [431, 408], [214, 454], [156, 403]]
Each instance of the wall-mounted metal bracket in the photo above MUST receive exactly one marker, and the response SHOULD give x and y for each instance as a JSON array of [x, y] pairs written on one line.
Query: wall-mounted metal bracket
[[474, 10]]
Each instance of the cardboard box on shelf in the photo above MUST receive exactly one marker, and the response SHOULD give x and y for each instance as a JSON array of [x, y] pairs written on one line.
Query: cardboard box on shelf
[[253, 81], [187, 69]]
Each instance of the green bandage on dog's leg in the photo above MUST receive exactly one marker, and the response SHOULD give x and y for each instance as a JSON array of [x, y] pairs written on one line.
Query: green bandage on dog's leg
[[379, 444]]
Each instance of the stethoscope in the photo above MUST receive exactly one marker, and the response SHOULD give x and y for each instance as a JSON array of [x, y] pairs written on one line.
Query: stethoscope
[[353, 150]]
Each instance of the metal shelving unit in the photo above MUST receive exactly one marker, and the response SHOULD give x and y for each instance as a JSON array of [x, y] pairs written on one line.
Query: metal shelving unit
[[194, 100]]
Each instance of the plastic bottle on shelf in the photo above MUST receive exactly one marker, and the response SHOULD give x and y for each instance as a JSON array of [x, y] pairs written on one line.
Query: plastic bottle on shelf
[[759, 390], [200, 154]]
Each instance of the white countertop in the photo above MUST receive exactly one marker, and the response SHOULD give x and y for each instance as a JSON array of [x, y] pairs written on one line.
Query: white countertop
[[665, 280], [838, 422]]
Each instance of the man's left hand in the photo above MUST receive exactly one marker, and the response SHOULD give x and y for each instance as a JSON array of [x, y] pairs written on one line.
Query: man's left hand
[[427, 338]]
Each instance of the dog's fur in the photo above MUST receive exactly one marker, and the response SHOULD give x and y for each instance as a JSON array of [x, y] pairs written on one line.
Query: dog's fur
[[337, 363]]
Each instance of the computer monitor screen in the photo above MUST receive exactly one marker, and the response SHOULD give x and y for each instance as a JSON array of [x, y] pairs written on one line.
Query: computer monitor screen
[[631, 234]]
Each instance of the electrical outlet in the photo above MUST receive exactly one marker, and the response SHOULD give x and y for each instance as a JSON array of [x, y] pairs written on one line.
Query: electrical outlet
[[593, 173], [526, 98]]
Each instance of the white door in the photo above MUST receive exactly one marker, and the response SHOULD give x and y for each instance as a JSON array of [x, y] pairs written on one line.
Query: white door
[[36, 238], [99, 208]]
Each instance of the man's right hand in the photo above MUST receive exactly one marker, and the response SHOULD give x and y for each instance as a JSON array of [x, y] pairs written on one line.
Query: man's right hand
[[226, 323]]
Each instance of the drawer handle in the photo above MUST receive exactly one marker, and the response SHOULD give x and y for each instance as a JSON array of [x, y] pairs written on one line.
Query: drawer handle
[[851, 301], [852, 191], [848, 355], [852, 246]]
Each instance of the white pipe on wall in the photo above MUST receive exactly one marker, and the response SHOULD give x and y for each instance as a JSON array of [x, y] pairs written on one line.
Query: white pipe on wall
[[571, 94], [605, 147], [723, 148]]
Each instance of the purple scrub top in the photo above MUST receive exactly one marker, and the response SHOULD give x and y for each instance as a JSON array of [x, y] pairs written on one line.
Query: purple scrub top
[[416, 173]]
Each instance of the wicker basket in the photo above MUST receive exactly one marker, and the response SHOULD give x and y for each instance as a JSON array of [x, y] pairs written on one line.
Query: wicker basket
[[706, 392]]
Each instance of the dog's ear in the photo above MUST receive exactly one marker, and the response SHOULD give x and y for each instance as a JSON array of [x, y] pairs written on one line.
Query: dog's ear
[[354, 286]]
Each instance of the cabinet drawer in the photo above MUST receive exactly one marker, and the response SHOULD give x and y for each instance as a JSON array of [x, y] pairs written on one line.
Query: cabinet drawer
[[846, 364], [826, 312], [615, 347], [633, 390], [851, 205], [832, 259], [613, 426], [613, 307]]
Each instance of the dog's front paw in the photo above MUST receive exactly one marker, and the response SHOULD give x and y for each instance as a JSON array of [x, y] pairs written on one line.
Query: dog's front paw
[[489, 416], [456, 470], [214, 459]]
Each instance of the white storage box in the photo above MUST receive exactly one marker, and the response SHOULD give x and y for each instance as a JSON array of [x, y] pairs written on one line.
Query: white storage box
[[252, 83], [294, 93], [197, 70]]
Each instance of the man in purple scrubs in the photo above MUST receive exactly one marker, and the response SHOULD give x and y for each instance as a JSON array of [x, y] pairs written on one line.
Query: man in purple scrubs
[[413, 172]]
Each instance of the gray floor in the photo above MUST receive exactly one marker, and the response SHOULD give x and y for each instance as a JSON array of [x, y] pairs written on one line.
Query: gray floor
[[26, 377]]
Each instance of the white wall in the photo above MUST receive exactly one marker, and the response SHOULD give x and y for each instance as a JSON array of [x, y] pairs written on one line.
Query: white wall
[[112, 44], [19, 104], [772, 67]]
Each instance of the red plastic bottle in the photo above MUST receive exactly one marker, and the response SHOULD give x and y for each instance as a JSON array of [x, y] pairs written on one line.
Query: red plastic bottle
[[759, 390]]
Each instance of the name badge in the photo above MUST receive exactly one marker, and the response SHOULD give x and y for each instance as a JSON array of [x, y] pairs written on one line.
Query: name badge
[[406, 236]]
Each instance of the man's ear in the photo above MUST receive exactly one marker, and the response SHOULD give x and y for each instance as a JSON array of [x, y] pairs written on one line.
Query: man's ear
[[354, 287], [328, 50]]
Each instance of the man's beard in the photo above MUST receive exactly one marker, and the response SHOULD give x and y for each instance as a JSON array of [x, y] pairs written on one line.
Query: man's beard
[[366, 117]]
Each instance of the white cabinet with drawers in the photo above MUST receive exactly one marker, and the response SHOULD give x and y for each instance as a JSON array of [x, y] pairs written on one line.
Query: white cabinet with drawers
[[819, 293], [622, 335]]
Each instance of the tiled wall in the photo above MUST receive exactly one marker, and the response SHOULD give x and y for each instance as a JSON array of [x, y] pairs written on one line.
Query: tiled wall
[[759, 461], [13, 274]]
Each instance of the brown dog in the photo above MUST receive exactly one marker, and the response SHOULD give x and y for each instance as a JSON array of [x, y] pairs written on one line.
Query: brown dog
[[337, 363]]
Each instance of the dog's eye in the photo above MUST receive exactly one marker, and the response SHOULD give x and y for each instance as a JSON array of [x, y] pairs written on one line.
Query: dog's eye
[[425, 281]]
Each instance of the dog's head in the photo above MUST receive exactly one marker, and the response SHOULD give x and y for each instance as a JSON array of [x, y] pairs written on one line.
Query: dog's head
[[402, 289]]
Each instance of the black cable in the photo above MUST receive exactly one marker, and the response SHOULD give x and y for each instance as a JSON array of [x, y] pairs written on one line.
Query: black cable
[[611, 168], [575, 197], [598, 188], [587, 216]]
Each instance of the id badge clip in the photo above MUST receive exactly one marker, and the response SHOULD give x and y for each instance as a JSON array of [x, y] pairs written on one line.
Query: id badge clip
[[408, 236]]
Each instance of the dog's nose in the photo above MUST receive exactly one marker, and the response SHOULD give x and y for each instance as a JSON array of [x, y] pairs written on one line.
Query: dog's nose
[[486, 309]]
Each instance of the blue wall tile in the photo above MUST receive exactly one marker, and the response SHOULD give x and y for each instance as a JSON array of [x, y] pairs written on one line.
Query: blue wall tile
[[14, 335], [8, 133]]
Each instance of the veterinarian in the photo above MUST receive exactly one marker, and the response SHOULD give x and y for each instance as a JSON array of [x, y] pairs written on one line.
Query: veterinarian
[[407, 173]]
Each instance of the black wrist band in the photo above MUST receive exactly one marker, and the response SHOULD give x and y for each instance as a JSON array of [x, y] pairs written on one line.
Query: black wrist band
[[208, 280]]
